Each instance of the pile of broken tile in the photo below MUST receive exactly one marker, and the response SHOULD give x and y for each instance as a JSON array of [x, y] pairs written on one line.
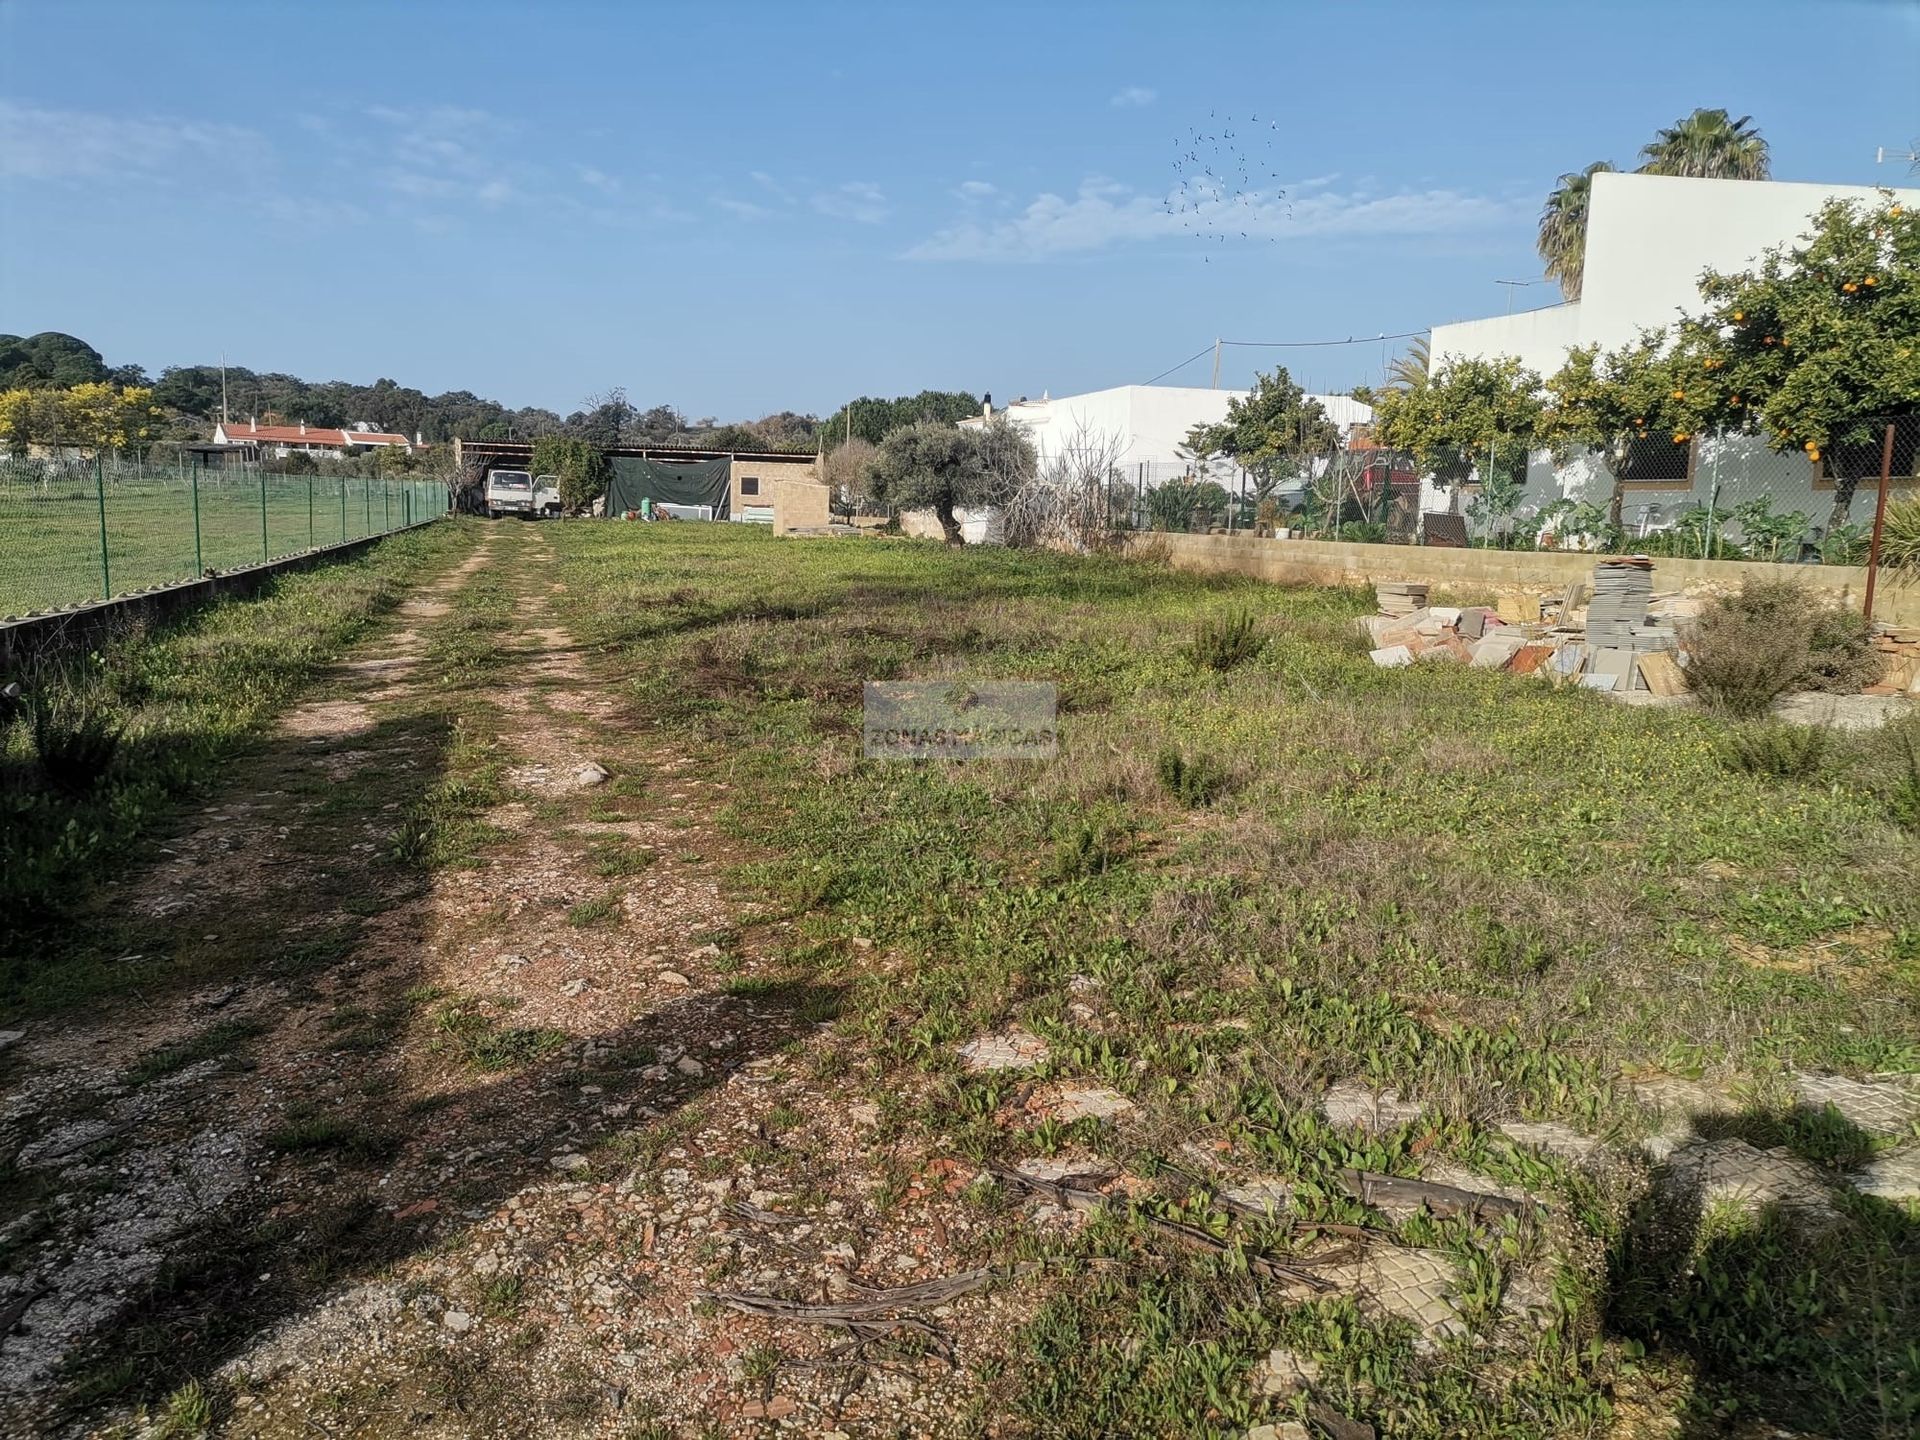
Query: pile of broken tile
[[1899, 647], [1625, 639]]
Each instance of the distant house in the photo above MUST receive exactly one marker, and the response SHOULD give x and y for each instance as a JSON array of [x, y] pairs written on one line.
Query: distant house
[[278, 442]]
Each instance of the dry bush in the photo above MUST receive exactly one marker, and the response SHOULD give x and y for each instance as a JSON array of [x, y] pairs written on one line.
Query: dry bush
[[1773, 636]]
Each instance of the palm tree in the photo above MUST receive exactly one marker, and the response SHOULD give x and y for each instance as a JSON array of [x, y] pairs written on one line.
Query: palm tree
[[1710, 145], [1563, 228], [1409, 371]]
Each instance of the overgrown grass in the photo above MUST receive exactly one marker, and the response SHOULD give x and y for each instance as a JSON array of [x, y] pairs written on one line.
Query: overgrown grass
[[1488, 894], [183, 696]]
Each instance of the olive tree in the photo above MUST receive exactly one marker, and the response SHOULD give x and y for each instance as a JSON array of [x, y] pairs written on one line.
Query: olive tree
[[935, 465]]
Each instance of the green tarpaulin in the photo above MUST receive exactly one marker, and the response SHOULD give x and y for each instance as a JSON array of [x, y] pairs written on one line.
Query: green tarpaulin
[[667, 482]]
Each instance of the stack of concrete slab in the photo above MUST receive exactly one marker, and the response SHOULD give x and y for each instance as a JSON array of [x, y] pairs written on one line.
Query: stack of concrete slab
[[1621, 590], [1400, 597]]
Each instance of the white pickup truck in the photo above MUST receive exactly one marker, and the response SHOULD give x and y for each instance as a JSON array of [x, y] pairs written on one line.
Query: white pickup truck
[[515, 492]]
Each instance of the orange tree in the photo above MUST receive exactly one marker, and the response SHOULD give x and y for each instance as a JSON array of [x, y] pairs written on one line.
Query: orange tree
[[1625, 405], [1817, 345], [1471, 413]]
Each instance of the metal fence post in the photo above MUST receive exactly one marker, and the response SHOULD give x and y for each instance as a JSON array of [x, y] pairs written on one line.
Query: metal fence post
[[386, 504], [199, 560], [100, 495], [263, 514], [310, 512], [368, 485], [343, 509], [1879, 518]]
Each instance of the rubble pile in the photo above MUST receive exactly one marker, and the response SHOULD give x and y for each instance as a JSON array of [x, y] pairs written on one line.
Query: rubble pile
[[1899, 647], [1624, 638], [1618, 636]]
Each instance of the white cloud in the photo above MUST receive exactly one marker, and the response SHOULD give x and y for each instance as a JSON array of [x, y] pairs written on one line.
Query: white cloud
[[597, 179], [772, 186], [1102, 213], [37, 143], [742, 209], [1134, 97], [976, 190], [858, 200]]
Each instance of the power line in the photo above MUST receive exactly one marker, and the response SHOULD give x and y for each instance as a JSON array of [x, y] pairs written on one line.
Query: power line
[[1317, 344], [1282, 345], [1204, 350]]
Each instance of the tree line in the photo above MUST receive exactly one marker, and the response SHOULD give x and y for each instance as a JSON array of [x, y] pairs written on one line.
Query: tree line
[[188, 400]]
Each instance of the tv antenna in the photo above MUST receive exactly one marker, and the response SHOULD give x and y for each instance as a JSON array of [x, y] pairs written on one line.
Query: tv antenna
[[1882, 154]]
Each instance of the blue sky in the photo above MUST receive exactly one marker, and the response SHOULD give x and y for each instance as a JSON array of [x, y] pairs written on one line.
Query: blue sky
[[739, 208]]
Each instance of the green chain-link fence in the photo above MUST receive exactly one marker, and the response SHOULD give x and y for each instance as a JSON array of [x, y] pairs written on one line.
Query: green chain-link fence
[[71, 532]]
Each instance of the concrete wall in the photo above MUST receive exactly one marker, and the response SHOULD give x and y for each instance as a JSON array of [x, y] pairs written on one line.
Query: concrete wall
[[1317, 562], [1650, 236], [1648, 239], [797, 504], [1540, 338]]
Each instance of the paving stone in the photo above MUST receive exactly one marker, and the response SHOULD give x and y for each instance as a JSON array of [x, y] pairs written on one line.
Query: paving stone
[[1350, 1103], [1284, 1372], [1263, 1193], [1445, 1172], [1734, 1172], [1880, 1107], [1529, 659], [1494, 651], [1528, 1298], [1554, 1138], [1413, 1285], [1055, 1168], [1392, 657], [1016, 1050], [1283, 1430], [1090, 1103], [1678, 1101], [1892, 1177]]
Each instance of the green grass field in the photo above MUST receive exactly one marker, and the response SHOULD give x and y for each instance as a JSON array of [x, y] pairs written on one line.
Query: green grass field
[[50, 531], [1500, 899]]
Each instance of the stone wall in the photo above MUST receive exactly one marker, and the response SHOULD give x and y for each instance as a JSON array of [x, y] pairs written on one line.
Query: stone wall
[[1483, 572]]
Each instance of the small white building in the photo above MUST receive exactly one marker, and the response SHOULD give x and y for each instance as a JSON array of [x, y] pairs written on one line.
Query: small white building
[[1145, 426], [1649, 237]]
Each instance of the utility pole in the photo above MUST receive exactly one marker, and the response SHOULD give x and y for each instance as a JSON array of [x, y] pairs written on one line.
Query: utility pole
[[224, 417], [1216, 362]]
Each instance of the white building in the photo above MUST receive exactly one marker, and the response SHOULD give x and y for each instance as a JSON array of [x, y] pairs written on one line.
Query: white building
[[1649, 237], [1146, 425]]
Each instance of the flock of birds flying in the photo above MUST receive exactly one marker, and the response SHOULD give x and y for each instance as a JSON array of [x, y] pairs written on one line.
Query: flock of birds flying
[[1226, 180]]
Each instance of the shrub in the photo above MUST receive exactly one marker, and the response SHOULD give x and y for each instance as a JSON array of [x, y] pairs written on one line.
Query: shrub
[[1748, 649], [1892, 769], [1784, 752], [1222, 642], [73, 742], [1195, 782], [1900, 534]]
